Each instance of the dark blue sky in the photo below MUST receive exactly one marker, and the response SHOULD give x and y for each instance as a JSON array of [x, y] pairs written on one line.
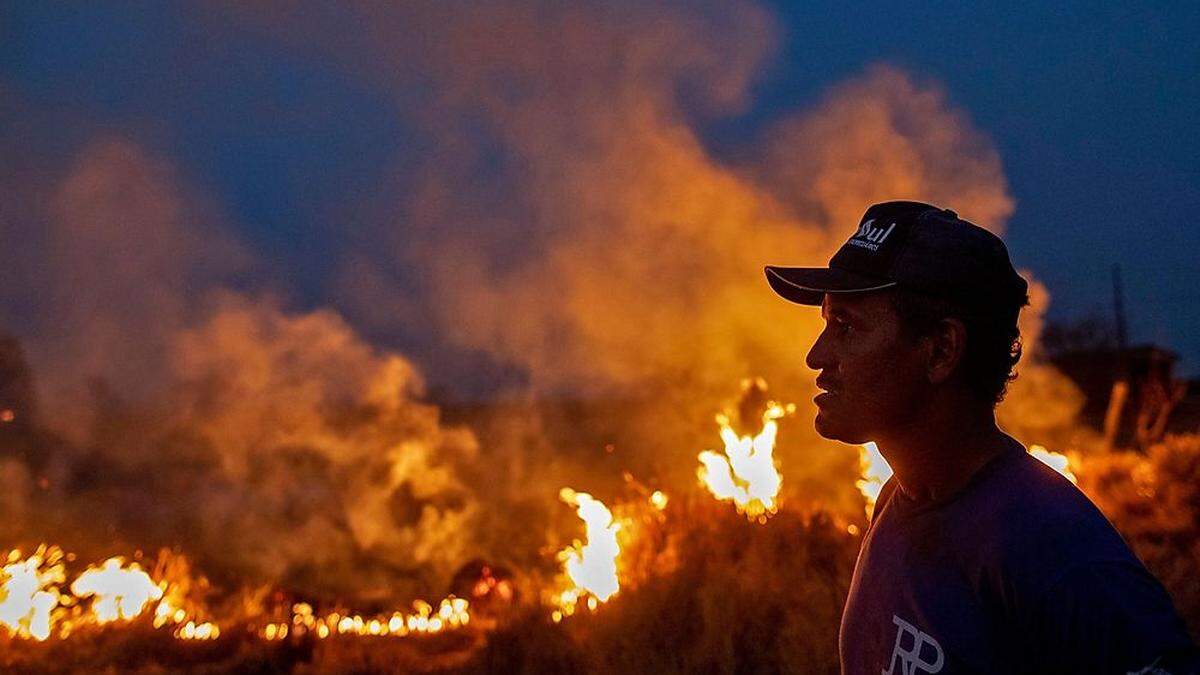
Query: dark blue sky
[[1092, 110], [1092, 107]]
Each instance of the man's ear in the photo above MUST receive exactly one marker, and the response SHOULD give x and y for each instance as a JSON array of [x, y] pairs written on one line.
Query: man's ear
[[947, 344]]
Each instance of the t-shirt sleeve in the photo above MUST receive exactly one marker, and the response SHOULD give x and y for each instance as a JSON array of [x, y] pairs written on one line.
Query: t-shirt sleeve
[[1110, 617]]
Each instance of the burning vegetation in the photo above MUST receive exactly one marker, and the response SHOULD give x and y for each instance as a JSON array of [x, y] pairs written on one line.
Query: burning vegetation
[[645, 568]]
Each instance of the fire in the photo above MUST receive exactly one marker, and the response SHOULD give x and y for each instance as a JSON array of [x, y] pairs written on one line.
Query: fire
[[118, 592], [33, 604], [746, 473], [591, 567], [451, 613], [875, 469], [1059, 462], [875, 472], [29, 592]]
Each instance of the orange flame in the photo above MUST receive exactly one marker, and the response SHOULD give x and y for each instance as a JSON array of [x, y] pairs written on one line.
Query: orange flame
[[591, 567], [118, 592], [746, 474], [29, 592], [1059, 462], [875, 472], [32, 604]]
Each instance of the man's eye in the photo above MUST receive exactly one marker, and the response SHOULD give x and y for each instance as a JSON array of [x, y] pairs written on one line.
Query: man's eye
[[843, 327]]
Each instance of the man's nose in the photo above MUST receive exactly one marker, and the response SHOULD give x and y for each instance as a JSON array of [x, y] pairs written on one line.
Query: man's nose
[[818, 357]]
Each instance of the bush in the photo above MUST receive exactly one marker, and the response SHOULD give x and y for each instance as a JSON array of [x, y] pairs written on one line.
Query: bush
[[1154, 501]]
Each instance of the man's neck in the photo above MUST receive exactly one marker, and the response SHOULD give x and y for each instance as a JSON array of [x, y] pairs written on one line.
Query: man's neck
[[943, 448]]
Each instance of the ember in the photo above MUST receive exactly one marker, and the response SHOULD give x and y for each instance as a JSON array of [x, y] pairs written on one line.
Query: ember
[[450, 613]]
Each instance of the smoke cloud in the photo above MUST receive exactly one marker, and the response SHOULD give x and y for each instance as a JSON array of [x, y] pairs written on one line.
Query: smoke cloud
[[277, 445], [122, 256], [562, 233]]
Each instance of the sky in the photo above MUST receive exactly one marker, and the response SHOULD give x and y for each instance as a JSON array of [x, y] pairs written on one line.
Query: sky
[[1090, 109]]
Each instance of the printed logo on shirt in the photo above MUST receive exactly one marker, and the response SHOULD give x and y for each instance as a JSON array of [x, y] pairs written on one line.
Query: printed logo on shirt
[[917, 652], [1151, 669]]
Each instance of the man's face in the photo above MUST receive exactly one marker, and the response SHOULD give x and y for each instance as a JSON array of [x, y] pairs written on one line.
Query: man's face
[[872, 373]]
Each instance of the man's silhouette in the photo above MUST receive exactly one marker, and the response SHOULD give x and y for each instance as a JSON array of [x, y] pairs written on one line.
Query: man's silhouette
[[979, 558]]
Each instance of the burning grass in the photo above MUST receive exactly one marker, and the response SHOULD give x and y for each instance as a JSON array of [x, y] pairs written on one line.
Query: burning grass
[[701, 589], [704, 590], [637, 579]]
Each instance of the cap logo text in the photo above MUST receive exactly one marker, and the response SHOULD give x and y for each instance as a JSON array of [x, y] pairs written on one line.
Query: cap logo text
[[869, 237]]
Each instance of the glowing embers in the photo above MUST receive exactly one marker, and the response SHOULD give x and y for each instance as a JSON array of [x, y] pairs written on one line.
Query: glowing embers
[[659, 499], [1058, 462], [591, 567], [450, 613], [746, 473]]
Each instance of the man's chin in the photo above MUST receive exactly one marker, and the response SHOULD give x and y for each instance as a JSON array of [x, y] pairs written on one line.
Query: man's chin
[[831, 429]]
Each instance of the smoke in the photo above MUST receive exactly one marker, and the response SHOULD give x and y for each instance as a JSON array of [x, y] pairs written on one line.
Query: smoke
[[278, 446], [562, 226], [1042, 405], [885, 135], [123, 253], [574, 226], [567, 219], [325, 437]]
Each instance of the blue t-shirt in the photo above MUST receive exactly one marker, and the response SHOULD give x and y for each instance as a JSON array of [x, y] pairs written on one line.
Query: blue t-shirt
[[1018, 572]]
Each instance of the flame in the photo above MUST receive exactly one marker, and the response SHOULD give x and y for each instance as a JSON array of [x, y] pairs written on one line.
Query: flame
[[746, 473], [875, 472], [29, 592], [591, 567], [875, 469], [32, 604], [118, 592], [1059, 462]]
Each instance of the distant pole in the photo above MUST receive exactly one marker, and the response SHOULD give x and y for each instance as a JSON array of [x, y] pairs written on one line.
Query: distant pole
[[1119, 307], [1120, 386]]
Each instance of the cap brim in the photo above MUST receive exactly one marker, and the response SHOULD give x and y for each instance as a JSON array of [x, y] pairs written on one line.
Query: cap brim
[[808, 285]]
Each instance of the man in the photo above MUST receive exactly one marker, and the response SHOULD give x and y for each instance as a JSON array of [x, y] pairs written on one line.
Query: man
[[979, 558]]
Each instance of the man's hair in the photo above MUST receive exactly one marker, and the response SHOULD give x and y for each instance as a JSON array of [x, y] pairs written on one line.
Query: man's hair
[[993, 338]]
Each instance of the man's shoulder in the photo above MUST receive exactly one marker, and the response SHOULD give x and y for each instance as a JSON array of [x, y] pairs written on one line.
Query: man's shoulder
[[1027, 516]]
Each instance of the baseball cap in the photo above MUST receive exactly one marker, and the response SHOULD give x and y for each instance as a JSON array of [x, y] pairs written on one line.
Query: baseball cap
[[919, 247]]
